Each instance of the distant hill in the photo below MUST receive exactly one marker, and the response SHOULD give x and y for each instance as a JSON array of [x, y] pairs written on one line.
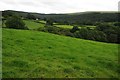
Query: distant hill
[[73, 18]]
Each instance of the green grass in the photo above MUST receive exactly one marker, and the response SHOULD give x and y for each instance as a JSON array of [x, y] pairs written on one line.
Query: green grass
[[33, 54], [64, 26], [32, 24], [41, 21], [70, 27], [89, 26]]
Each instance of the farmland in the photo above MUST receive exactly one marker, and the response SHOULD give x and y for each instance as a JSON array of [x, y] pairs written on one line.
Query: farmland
[[74, 45]]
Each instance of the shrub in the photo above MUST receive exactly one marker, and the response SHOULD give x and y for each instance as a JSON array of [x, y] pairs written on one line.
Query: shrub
[[113, 38], [104, 26], [49, 22], [112, 32], [30, 16], [95, 35], [15, 22], [117, 24], [103, 33], [56, 30], [51, 29], [75, 28]]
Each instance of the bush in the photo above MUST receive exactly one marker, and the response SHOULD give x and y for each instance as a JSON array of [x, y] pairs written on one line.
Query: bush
[[51, 29], [113, 38], [117, 24], [75, 28], [49, 22], [56, 30], [15, 22], [112, 32], [30, 16], [104, 26], [95, 35], [103, 33]]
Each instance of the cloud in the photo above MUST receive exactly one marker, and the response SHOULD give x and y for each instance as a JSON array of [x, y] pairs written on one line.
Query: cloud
[[59, 6]]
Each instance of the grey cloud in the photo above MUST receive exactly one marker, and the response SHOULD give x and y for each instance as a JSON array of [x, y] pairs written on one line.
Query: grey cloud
[[29, 4], [8, 1], [58, 6]]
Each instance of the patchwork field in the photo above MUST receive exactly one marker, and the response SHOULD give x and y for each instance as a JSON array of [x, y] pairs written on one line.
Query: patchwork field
[[38, 55]]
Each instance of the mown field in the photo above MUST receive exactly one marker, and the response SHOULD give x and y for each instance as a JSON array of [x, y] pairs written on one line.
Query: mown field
[[33, 54]]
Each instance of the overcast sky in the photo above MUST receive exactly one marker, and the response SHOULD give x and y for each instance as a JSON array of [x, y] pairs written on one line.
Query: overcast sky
[[59, 6]]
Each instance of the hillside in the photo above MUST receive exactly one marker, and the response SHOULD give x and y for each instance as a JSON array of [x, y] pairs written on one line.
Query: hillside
[[76, 18], [38, 54]]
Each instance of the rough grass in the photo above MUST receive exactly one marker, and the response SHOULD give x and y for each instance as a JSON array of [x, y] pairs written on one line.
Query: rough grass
[[37, 54]]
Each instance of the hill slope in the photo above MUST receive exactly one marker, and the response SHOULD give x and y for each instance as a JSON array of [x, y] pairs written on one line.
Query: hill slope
[[79, 18], [38, 54]]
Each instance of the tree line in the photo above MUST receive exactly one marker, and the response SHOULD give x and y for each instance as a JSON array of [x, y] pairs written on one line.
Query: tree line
[[85, 18], [104, 32]]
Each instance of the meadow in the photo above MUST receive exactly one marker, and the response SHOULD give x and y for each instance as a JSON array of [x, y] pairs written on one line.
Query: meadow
[[64, 26], [35, 54], [38, 45], [31, 24]]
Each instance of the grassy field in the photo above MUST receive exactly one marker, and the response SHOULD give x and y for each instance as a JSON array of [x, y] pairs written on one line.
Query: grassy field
[[91, 27], [41, 21], [37, 54], [64, 26], [70, 27], [32, 24], [88, 26], [44, 22]]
